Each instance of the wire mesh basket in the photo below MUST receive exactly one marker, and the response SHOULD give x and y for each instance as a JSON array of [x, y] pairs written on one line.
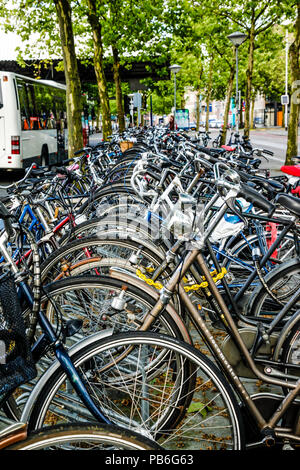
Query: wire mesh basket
[[16, 363]]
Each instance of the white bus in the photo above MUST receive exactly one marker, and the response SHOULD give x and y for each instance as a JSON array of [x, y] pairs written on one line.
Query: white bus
[[33, 122]]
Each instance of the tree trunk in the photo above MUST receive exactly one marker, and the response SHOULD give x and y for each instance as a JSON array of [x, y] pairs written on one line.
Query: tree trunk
[[252, 112], [228, 99], [209, 90], [99, 68], [293, 129], [249, 75], [74, 105], [119, 95], [198, 104]]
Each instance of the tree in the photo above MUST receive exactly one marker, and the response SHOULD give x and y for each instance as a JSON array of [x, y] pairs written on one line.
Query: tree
[[74, 107], [294, 56], [253, 18], [53, 23], [94, 13]]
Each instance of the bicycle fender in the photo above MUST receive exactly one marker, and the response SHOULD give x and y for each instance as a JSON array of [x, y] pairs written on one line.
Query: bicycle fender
[[284, 333], [53, 369]]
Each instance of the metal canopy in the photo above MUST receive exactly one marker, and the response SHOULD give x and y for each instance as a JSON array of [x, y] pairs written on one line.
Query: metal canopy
[[136, 72]]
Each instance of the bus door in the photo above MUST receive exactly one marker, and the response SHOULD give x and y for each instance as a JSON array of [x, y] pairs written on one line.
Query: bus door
[[2, 124]]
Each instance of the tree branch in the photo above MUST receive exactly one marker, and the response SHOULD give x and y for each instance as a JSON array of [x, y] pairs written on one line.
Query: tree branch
[[222, 55], [265, 27], [262, 11], [228, 16]]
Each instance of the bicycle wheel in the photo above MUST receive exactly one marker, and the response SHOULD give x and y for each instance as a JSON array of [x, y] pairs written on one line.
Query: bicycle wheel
[[85, 437], [240, 259], [162, 387], [60, 263], [93, 301], [119, 227], [106, 199], [282, 282]]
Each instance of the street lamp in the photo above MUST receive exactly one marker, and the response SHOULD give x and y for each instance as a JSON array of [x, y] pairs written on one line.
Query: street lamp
[[237, 39], [175, 69], [131, 107]]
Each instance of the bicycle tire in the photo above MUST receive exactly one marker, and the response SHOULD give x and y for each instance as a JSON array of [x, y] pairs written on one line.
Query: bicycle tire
[[108, 197], [291, 352], [85, 437], [138, 303], [108, 225], [99, 247]]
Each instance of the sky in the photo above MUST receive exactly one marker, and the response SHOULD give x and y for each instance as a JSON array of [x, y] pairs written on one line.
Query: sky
[[8, 43]]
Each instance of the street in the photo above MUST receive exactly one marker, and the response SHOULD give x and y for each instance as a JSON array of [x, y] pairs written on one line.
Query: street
[[274, 139]]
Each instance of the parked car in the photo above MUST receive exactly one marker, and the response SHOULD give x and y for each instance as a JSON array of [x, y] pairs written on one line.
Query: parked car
[[220, 123], [212, 123], [192, 126]]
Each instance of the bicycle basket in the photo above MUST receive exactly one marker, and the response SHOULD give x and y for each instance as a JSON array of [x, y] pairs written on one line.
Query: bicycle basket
[[16, 363]]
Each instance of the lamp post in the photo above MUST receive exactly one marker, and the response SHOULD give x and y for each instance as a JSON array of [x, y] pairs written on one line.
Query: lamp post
[[131, 108], [237, 39], [286, 79], [175, 69]]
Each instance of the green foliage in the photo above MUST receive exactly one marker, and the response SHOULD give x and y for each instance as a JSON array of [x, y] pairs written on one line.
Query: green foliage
[[188, 32]]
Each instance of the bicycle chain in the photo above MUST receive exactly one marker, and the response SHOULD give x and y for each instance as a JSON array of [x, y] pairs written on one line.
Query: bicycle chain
[[158, 285]]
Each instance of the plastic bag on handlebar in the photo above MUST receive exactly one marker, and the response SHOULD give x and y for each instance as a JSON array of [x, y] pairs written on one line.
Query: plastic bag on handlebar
[[185, 219]]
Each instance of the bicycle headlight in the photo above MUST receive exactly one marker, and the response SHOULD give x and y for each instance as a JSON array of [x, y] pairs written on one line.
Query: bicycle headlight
[[230, 179]]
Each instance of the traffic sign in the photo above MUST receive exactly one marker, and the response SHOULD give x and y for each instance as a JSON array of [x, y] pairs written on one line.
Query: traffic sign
[[285, 99]]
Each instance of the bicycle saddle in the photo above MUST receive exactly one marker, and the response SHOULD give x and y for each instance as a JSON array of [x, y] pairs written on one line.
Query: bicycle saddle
[[228, 148], [289, 202], [293, 170], [268, 184]]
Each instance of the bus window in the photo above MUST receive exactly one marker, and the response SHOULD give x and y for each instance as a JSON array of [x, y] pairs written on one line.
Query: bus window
[[24, 105]]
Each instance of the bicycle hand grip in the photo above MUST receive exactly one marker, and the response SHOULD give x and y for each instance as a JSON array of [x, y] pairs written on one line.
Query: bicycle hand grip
[[268, 152], [256, 199]]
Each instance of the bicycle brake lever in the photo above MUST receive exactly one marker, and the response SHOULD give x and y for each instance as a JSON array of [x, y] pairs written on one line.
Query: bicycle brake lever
[[230, 202]]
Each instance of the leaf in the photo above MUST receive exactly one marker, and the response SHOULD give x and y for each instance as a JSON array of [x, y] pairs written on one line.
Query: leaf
[[199, 407]]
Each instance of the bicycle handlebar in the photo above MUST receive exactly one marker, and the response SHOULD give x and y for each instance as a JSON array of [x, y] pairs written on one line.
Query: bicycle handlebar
[[15, 184]]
